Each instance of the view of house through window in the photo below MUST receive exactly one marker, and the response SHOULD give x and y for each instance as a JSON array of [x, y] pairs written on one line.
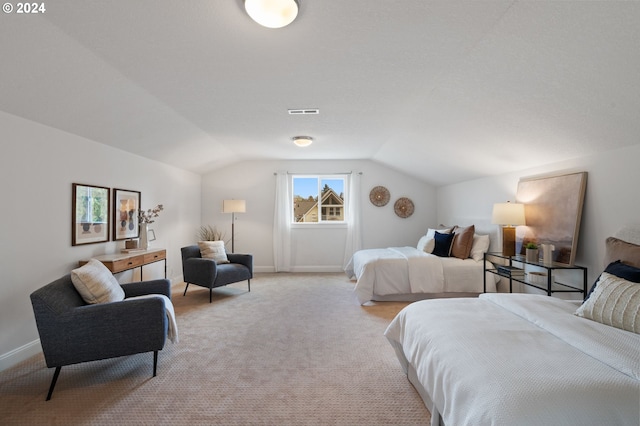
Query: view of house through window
[[318, 199]]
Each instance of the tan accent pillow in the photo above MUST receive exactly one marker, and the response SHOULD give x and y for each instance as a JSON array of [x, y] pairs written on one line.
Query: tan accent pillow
[[213, 250], [462, 242], [479, 247], [616, 249], [96, 283], [615, 302]]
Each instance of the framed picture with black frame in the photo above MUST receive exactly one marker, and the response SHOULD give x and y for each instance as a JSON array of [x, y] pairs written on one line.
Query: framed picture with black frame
[[126, 204], [89, 214]]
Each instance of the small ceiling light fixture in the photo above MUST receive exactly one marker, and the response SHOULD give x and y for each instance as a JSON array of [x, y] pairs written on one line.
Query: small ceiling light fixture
[[302, 140], [272, 13]]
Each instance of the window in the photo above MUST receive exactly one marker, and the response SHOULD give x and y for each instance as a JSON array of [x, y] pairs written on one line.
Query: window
[[318, 199]]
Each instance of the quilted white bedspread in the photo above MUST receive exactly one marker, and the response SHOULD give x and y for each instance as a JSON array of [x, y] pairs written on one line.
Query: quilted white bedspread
[[404, 270], [519, 359]]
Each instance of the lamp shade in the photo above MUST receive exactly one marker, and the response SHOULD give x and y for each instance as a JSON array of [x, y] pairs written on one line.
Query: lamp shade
[[234, 206], [272, 13], [508, 214]]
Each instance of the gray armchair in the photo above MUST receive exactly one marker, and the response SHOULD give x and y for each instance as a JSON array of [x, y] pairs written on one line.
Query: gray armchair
[[206, 273], [72, 331]]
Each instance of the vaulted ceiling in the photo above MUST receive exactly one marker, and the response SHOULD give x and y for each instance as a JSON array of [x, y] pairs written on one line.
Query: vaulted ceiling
[[444, 90]]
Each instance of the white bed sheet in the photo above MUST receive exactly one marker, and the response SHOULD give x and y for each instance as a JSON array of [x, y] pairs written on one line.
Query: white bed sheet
[[407, 270], [506, 359]]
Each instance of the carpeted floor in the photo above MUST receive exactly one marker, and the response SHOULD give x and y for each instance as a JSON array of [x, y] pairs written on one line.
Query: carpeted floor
[[297, 350]]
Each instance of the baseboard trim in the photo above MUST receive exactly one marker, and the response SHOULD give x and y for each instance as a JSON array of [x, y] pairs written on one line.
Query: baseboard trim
[[20, 354], [317, 269]]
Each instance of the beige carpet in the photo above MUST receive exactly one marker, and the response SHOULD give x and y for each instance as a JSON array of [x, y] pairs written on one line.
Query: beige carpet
[[296, 350]]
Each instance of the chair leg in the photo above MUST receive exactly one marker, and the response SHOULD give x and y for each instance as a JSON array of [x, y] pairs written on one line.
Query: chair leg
[[249, 284], [210, 294], [185, 289], [53, 382], [155, 362]]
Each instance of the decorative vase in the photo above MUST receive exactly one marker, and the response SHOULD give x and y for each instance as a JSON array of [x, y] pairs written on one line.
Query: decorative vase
[[532, 255], [144, 239]]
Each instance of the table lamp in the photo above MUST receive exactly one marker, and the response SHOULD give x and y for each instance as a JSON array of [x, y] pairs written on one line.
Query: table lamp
[[509, 215]]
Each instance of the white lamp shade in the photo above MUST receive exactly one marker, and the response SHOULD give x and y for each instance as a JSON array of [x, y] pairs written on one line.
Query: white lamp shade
[[508, 214], [234, 206], [272, 13]]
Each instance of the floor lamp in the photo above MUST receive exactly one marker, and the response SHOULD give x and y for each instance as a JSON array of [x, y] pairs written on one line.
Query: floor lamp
[[509, 215], [233, 207]]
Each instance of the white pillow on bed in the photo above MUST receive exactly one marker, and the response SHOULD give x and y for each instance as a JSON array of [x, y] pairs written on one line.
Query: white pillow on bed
[[431, 233], [426, 244], [615, 302], [479, 247]]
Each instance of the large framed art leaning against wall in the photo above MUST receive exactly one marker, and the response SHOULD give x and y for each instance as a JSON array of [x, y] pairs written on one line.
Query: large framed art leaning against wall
[[553, 210]]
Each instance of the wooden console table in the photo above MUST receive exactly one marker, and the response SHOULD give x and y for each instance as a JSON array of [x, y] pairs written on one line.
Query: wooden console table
[[120, 262]]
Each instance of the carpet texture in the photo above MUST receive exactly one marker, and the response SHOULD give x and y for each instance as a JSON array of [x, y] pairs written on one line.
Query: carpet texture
[[297, 350]]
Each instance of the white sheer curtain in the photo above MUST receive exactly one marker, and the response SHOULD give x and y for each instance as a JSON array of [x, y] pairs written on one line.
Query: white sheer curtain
[[354, 221], [282, 219]]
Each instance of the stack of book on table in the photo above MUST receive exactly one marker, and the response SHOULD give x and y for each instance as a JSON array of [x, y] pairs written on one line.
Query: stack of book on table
[[510, 271]]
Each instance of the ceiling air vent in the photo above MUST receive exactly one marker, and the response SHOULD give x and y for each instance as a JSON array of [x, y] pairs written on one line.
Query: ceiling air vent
[[304, 111]]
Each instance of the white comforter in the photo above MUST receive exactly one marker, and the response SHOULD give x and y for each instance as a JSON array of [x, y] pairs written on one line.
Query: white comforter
[[519, 359], [404, 270]]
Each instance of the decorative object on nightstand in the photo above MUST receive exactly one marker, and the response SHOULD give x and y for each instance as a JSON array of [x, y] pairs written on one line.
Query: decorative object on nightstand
[[379, 196], [403, 207], [547, 253], [531, 252], [233, 207], [509, 215]]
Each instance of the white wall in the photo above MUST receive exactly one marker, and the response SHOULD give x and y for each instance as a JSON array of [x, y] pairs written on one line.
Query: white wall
[[611, 199], [37, 168], [314, 249]]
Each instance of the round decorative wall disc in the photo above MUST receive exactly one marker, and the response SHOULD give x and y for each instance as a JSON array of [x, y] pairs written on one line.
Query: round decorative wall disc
[[403, 207], [379, 196]]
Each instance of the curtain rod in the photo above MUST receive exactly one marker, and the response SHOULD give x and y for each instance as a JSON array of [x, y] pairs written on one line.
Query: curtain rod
[[320, 174]]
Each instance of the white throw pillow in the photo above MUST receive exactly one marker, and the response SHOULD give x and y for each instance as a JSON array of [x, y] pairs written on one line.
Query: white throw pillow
[[213, 250], [96, 283], [426, 244], [615, 302], [421, 243], [430, 245], [431, 232], [479, 247]]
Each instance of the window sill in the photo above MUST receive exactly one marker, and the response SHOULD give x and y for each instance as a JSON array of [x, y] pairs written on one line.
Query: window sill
[[319, 225]]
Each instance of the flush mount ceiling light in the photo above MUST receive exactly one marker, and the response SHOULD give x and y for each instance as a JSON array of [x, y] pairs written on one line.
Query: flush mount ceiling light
[[272, 13], [302, 140]]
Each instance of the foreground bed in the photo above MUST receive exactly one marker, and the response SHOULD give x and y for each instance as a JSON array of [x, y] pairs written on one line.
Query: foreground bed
[[517, 359]]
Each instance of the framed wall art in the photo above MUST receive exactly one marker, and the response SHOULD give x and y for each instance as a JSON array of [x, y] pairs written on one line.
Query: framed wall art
[[126, 204], [90, 214], [553, 210]]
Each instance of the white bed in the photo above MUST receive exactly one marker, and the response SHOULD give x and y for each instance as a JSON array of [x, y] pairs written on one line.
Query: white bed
[[506, 359], [410, 273]]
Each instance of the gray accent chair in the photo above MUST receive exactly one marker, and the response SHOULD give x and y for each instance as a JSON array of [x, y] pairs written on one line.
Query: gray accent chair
[[72, 331], [206, 273]]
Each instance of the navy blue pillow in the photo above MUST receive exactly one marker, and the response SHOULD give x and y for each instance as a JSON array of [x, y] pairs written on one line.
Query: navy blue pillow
[[443, 244], [620, 270]]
